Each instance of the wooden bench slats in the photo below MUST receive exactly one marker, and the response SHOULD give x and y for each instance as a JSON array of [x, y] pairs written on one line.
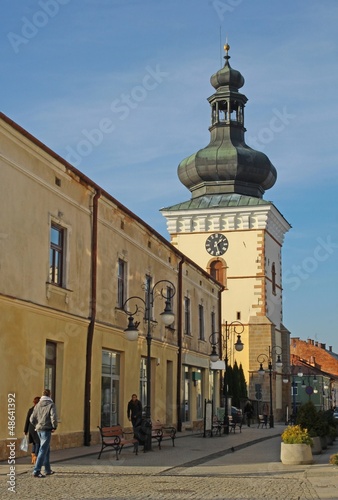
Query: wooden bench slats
[[114, 436], [160, 431]]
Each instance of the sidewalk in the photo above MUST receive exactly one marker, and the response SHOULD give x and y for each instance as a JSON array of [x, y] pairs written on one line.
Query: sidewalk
[[190, 442]]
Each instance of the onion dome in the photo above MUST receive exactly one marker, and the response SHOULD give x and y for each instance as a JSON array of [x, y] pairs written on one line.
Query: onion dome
[[227, 164], [227, 76]]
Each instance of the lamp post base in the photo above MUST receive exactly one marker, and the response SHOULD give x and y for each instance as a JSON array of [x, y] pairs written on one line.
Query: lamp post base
[[271, 421], [226, 424], [147, 430]]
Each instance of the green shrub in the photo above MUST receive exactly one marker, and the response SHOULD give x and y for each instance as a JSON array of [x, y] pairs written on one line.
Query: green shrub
[[312, 420]]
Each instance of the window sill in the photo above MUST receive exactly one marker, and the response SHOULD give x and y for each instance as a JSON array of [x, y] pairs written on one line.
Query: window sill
[[57, 290]]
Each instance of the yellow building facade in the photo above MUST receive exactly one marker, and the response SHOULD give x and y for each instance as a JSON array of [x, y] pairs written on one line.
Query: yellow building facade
[[72, 257]]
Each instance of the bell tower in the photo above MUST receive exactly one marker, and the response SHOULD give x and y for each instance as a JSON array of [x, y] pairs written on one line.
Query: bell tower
[[230, 230]]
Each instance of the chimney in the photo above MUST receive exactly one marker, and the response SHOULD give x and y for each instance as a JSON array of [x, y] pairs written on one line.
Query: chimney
[[323, 346], [330, 348], [316, 344]]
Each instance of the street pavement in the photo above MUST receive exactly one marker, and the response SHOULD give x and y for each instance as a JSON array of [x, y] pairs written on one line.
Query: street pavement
[[243, 466]]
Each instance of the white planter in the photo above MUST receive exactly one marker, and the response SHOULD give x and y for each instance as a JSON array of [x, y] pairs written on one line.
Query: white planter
[[296, 454], [317, 446], [324, 442]]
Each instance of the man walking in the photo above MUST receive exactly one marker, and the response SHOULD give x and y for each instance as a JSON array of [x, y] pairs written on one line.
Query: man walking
[[44, 419], [134, 411]]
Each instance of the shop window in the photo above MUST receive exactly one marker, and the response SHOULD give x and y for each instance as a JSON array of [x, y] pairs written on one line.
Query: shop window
[[50, 367], [110, 388]]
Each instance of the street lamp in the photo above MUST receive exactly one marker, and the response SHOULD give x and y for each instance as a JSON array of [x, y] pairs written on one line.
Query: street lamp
[[166, 290], [214, 356], [264, 357]]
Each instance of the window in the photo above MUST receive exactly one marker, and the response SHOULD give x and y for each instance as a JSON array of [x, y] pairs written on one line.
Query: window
[[213, 322], [273, 272], [147, 298], [294, 389], [218, 271], [169, 299], [50, 368], [199, 394], [143, 382], [201, 321], [110, 389], [187, 330], [121, 283], [56, 257]]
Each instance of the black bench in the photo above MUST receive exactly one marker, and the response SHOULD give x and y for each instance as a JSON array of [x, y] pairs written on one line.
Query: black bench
[[160, 431], [115, 438], [235, 423], [217, 426]]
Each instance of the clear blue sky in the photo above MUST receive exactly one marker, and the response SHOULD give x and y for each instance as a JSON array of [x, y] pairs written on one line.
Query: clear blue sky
[[119, 88]]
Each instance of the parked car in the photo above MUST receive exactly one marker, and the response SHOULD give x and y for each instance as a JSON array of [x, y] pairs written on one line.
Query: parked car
[[335, 414]]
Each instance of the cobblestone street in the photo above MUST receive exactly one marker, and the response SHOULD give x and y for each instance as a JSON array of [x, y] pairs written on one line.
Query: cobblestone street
[[196, 468]]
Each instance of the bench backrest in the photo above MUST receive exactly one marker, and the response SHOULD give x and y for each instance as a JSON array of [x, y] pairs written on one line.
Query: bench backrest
[[114, 430], [156, 426]]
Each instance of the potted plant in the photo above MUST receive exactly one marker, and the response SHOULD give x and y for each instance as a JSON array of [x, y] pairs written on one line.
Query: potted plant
[[334, 459], [296, 446]]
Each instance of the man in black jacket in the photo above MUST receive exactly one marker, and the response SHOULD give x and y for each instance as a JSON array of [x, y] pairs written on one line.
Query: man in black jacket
[[134, 411]]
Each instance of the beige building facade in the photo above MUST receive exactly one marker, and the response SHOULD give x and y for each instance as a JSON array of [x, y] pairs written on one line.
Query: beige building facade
[[72, 258]]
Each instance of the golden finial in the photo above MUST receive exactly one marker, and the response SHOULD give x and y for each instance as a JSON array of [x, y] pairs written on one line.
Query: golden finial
[[226, 46]]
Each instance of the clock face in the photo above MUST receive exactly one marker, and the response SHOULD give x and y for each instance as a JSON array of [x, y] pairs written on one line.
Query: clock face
[[216, 244]]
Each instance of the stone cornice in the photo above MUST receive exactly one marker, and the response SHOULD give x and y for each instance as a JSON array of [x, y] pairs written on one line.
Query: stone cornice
[[265, 217]]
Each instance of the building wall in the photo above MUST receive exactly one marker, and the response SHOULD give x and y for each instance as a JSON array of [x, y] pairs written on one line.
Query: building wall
[[37, 188]]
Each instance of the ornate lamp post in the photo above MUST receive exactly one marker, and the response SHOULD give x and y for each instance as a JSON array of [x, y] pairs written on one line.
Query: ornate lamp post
[[264, 357], [166, 290], [222, 342]]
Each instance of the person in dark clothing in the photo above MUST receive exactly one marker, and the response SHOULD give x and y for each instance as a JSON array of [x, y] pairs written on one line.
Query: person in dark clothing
[[265, 413], [32, 434], [134, 411], [248, 411]]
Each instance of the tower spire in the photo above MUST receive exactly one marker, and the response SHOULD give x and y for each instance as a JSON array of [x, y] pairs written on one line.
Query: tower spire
[[227, 164]]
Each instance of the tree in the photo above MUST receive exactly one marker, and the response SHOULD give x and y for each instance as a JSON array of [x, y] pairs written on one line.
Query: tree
[[236, 384]]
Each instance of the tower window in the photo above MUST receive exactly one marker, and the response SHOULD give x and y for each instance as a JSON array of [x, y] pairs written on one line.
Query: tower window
[[217, 270], [273, 278]]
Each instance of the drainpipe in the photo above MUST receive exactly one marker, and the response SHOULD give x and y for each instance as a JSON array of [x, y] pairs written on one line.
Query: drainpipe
[[91, 326], [179, 344], [220, 322]]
